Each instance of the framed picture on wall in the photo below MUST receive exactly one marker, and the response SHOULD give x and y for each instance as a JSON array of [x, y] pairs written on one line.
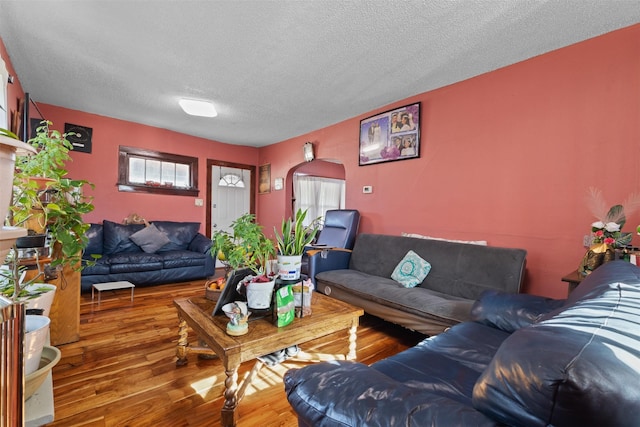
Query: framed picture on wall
[[79, 137], [264, 179], [392, 135]]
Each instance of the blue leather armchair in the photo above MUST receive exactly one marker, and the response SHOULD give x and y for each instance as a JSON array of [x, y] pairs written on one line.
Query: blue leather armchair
[[339, 234]]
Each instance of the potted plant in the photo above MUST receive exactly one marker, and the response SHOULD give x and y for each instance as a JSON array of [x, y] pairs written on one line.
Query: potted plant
[[57, 206], [294, 237], [247, 246]]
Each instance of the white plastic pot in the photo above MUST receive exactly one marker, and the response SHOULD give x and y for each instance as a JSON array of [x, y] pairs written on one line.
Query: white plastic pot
[[35, 337], [259, 294], [41, 301], [289, 266]]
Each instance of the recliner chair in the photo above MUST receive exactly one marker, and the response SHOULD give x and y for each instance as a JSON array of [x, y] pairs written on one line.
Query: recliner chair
[[339, 231]]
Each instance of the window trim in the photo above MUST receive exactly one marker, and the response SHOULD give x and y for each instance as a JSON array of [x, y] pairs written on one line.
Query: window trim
[[124, 153]]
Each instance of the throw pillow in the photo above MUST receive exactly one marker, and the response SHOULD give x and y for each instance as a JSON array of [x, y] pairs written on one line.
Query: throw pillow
[[411, 271], [150, 239], [470, 242], [116, 237]]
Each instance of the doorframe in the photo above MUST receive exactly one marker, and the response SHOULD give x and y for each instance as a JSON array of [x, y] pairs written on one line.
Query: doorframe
[[252, 189]]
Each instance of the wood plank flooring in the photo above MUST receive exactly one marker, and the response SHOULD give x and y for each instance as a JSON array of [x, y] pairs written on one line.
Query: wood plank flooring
[[122, 372]]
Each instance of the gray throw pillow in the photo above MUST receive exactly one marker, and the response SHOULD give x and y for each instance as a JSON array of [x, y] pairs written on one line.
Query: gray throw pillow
[[150, 239]]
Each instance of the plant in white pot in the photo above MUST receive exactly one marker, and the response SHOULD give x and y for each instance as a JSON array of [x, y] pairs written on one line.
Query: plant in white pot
[[37, 299], [60, 204], [294, 237], [248, 247]]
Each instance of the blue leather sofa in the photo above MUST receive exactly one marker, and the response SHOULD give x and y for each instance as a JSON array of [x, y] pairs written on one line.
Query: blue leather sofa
[[524, 361], [183, 254]]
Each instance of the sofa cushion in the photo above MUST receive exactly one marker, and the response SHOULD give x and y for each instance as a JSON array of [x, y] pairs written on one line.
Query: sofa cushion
[[95, 234], [510, 312], [131, 258], [150, 239], [423, 302], [457, 269], [577, 367], [100, 267], [179, 259], [117, 237], [411, 270], [180, 234], [456, 358]]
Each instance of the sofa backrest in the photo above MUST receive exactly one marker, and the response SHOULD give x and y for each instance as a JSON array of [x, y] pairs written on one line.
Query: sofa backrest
[[180, 234], [459, 269], [578, 365], [111, 237], [95, 246], [340, 228], [116, 237]]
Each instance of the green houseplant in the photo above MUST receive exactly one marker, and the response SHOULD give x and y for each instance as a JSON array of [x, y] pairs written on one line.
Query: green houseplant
[[292, 240], [248, 247], [57, 206], [294, 237]]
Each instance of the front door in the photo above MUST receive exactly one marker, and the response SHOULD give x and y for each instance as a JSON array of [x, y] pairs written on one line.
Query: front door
[[230, 194]]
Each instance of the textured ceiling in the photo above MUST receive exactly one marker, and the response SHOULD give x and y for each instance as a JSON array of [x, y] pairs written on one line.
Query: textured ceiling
[[277, 69]]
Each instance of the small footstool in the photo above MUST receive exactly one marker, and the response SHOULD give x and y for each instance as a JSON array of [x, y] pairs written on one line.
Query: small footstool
[[110, 286]]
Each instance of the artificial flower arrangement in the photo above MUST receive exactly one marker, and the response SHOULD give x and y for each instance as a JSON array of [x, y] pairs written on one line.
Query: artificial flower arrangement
[[607, 230]]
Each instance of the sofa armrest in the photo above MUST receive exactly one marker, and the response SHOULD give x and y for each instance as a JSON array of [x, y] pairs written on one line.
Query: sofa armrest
[[344, 393], [327, 259], [201, 244], [510, 312]]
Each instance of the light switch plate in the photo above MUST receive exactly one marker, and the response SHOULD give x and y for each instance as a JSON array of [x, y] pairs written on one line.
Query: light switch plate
[[367, 189]]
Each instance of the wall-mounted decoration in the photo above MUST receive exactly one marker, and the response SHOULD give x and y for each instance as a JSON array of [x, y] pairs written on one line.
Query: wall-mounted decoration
[[278, 184], [264, 179], [392, 135], [307, 150], [81, 138]]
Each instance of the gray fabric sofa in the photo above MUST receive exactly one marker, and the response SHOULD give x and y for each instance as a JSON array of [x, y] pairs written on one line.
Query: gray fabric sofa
[[459, 274]]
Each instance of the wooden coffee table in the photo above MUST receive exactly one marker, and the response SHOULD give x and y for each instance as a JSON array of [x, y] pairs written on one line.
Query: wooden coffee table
[[328, 316]]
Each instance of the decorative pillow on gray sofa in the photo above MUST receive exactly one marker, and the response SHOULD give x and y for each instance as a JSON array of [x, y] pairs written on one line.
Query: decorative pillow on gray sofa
[[150, 239], [411, 270]]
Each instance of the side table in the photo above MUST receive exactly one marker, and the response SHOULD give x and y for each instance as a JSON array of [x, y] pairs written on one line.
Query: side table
[[574, 278]]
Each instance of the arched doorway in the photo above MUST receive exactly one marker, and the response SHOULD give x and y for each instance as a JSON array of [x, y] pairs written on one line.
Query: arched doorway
[[323, 176]]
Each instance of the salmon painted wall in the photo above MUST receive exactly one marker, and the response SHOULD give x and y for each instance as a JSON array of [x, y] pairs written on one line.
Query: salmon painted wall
[[506, 157], [101, 166]]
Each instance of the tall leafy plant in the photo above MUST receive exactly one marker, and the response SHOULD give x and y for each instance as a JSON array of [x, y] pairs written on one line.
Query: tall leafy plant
[[246, 246], [61, 204], [294, 235]]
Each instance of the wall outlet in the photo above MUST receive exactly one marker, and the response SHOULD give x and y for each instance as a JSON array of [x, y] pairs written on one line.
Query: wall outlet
[[586, 240], [367, 189], [199, 202]]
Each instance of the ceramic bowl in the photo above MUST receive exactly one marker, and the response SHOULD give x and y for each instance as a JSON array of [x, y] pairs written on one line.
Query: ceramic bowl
[[50, 358]]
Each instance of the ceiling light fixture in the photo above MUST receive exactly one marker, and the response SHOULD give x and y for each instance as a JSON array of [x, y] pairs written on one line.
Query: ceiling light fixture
[[194, 107]]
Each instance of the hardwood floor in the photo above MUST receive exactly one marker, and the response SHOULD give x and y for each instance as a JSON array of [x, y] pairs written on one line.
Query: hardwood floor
[[122, 372]]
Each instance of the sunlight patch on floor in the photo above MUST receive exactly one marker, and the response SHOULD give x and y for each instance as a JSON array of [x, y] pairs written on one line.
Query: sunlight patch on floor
[[205, 385]]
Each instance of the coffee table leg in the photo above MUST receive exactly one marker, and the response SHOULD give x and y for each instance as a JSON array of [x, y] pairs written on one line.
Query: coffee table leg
[[183, 342], [353, 334], [228, 415]]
